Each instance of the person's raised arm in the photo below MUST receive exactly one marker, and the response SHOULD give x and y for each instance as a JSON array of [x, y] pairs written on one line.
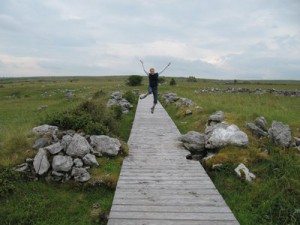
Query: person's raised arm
[[165, 68], [144, 67]]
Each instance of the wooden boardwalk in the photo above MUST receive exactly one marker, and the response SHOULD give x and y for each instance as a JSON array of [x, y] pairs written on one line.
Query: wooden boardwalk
[[158, 185]]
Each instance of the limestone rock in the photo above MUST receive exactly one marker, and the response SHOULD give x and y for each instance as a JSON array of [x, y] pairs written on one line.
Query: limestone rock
[[117, 95], [188, 112], [105, 145], [184, 102], [78, 162], [198, 108], [44, 129], [90, 160], [255, 130], [80, 174], [22, 167], [65, 141], [170, 97], [261, 123], [78, 147], [220, 136], [40, 143], [54, 148], [116, 99], [193, 141], [280, 134], [57, 174], [216, 117], [62, 163], [40, 162], [243, 171]]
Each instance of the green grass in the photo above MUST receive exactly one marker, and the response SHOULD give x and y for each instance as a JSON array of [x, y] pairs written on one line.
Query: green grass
[[24, 201], [274, 197], [44, 203]]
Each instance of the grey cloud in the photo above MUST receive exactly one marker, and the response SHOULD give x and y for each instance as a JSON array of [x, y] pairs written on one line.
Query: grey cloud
[[252, 38]]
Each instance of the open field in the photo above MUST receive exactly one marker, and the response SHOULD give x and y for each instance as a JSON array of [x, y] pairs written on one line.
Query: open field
[[26, 103], [274, 198]]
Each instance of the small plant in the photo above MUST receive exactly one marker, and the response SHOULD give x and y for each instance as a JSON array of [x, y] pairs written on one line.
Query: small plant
[[172, 82], [135, 80]]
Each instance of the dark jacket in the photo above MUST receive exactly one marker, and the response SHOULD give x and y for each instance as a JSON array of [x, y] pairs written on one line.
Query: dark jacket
[[153, 80]]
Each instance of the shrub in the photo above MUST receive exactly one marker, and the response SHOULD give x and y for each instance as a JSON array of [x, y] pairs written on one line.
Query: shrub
[[192, 79], [95, 128], [92, 117], [172, 82], [117, 111], [130, 97], [98, 94], [8, 177], [135, 80]]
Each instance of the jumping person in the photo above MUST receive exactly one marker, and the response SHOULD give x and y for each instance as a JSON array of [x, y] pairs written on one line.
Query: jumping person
[[153, 83]]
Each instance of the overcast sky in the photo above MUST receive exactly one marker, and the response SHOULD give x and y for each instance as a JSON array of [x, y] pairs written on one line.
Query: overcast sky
[[229, 39]]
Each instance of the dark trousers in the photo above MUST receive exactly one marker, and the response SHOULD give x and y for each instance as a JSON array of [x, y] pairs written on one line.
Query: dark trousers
[[154, 91]]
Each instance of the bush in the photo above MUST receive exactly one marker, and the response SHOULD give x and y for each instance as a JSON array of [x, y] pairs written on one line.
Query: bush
[[92, 117], [130, 97], [8, 177], [95, 128], [117, 111], [135, 80], [192, 79], [172, 82]]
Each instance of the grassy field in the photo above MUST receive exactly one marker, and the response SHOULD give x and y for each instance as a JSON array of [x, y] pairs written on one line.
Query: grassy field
[[28, 102], [274, 198]]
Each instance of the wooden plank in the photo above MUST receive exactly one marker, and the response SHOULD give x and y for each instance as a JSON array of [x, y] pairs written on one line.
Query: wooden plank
[[169, 201], [197, 192], [173, 208], [168, 222], [172, 216], [165, 178], [166, 196]]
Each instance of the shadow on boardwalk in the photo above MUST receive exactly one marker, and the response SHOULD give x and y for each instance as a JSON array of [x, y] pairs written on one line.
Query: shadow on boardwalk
[[158, 185]]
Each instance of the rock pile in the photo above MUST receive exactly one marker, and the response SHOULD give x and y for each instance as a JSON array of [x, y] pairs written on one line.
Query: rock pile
[[67, 155], [171, 98], [279, 133], [250, 91], [116, 99], [217, 135], [259, 128]]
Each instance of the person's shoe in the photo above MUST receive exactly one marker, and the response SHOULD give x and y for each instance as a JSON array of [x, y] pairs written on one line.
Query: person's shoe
[[143, 96], [152, 109]]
